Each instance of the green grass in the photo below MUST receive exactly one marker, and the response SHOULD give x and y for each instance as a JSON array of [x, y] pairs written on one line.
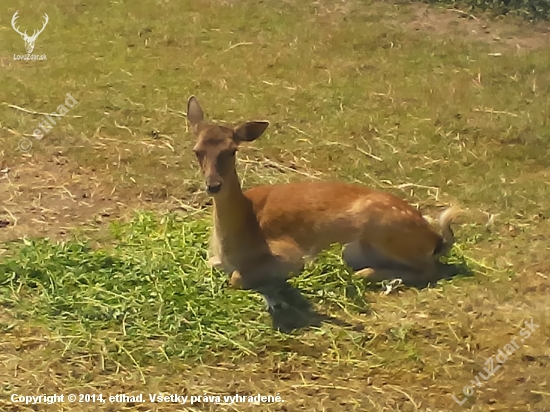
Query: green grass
[[352, 92], [150, 296]]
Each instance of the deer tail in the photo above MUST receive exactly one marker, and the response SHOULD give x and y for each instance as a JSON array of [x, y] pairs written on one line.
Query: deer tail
[[448, 238]]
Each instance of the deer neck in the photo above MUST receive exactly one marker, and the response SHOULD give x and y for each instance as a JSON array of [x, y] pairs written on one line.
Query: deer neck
[[233, 212]]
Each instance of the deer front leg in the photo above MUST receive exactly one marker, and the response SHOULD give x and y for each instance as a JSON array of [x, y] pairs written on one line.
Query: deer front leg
[[258, 276], [284, 259], [215, 256]]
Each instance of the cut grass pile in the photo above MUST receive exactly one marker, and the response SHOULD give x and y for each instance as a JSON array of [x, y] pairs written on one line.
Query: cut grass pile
[[151, 294]]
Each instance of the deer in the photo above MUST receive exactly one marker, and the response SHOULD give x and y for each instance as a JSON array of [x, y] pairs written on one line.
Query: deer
[[29, 40], [264, 236]]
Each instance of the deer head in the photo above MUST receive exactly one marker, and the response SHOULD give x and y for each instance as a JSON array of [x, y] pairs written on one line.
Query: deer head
[[29, 40], [216, 145]]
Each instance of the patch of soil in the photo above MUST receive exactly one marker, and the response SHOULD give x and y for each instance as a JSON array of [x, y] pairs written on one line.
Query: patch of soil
[[51, 196], [440, 21]]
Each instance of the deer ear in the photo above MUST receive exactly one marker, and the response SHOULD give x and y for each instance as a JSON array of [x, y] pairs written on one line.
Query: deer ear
[[194, 113], [249, 131]]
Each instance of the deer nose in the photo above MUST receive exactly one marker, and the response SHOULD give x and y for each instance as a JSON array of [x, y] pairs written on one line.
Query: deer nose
[[213, 188]]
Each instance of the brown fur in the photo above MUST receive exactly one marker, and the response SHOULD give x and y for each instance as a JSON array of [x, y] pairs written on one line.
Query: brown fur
[[262, 236]]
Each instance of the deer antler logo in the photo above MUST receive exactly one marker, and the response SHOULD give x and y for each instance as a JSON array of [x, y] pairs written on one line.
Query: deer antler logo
[[29, 40]]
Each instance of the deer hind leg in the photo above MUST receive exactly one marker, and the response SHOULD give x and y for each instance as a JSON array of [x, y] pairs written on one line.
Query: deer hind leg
[[361, 255], [386, 262]]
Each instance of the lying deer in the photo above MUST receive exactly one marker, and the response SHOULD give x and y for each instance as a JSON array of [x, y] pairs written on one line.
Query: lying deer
[[262, 236]]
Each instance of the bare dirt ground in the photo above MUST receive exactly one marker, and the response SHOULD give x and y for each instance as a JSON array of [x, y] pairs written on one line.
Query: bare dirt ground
[[50, 195], [501, 35]]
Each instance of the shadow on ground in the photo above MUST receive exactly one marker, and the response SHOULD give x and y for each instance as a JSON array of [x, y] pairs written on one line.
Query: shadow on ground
[[291, 311], [448, 271]]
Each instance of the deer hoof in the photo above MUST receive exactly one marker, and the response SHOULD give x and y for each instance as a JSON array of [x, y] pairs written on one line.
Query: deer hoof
[[215, 262], [366, 273], [236, 281]]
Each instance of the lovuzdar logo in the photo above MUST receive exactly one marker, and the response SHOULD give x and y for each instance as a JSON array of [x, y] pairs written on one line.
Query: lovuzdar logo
[[30, 41]]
